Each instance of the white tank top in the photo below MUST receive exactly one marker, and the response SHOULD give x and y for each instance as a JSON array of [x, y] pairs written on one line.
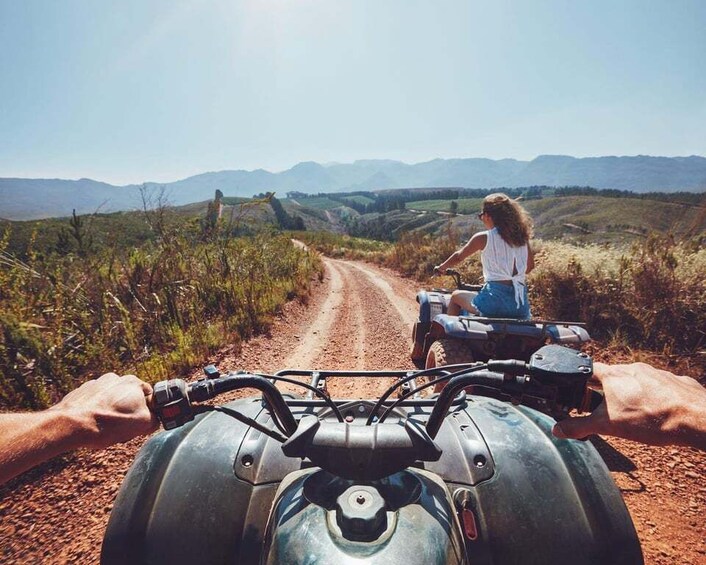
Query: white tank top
[[500, 259]]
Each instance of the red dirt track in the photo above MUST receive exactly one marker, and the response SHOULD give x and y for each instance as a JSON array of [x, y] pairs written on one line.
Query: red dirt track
[[360, 317]]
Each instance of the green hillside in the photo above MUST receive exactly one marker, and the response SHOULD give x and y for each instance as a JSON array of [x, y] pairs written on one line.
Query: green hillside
[[318, 203], [465, 205], [587, 218], [606, 216], [360, 199]]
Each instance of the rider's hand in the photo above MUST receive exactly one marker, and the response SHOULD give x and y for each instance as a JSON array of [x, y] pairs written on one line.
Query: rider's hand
[[108, 410], [643, 404], [97, 414]]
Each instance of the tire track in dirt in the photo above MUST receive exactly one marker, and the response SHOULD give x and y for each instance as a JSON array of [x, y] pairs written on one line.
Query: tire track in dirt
[[373, 317], [314, 341], [405, 308]]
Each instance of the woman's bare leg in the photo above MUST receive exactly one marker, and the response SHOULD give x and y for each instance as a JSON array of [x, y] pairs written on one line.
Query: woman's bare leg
[[462, 300]]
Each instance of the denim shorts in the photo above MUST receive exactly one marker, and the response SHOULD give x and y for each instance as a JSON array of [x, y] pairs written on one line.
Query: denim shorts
[[497, 300]]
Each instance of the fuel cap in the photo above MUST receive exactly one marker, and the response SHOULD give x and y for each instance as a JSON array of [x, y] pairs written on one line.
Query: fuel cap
[[360, 513]]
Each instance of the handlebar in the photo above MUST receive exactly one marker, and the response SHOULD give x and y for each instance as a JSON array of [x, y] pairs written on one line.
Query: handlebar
[[456, 276], [172, 399], [554, 382]]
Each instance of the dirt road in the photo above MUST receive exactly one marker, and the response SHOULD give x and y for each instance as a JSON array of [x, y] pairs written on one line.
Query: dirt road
[[360, 317]]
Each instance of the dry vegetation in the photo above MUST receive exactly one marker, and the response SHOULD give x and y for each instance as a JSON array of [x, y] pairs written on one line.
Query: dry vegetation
[[76, 304], [651, 295], [157, 309]]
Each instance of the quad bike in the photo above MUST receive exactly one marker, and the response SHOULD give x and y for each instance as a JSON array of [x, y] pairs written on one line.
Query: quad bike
[[441, 339], [443, 479]]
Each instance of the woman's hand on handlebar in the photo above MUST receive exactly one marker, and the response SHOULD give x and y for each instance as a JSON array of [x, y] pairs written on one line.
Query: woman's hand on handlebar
[[643, 404]]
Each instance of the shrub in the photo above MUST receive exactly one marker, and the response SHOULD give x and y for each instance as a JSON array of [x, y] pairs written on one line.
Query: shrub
[[652, 294]]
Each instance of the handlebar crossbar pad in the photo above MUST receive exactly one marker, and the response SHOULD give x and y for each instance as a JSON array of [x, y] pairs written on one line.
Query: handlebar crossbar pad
[[361, 453]]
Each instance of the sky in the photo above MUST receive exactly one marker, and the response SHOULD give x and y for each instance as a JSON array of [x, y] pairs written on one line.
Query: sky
[[157, 90]]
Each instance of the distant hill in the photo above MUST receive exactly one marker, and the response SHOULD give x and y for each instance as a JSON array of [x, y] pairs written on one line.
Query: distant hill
[[42, 198]]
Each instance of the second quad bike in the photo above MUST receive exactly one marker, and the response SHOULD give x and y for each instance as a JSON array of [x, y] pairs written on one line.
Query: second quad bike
[[453, 478], [441, 339]]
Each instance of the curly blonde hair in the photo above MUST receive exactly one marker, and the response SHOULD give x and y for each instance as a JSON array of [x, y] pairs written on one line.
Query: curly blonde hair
[[511, 219]]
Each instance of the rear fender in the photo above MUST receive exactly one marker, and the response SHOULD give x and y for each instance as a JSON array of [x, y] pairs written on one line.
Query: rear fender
[[459, 328], [431, 304], [445, 326]]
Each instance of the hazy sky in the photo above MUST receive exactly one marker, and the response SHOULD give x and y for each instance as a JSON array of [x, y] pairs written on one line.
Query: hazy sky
[[134, 90]]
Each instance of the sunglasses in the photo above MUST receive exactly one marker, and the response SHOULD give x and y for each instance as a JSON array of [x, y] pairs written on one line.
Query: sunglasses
[[480, 216]]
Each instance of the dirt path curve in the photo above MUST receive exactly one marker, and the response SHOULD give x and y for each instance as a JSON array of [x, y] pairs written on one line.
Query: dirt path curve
[[359, 317]]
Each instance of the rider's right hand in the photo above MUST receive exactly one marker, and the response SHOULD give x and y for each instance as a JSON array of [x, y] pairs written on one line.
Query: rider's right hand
[[643, 404]]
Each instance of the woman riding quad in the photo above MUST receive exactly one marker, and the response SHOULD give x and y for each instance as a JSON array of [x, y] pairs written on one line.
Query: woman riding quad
[[506, 257]]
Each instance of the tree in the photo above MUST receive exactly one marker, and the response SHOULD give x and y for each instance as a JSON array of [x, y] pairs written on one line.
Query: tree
[[63, 242], [213, 213], [79, 231]]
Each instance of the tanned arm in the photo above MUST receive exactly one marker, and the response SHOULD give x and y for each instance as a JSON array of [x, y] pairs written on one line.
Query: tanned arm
[[476, 243], [110, 409]]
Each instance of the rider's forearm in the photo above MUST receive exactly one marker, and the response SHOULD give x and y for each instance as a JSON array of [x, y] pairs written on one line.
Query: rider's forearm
[[453, 259], [28, 439]]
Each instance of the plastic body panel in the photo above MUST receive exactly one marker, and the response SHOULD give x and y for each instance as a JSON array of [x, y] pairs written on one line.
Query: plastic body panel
[[549, 500], [468, 328], [203, 493]]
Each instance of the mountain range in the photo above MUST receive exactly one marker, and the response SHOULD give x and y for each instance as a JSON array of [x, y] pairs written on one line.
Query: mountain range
[[23, 199]]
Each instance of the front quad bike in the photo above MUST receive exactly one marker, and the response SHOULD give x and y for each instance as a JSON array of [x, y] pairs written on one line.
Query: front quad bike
[[440, 339], [446, 479]]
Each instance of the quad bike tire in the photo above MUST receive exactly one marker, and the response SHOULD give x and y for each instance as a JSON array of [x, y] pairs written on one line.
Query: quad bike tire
[[448, 352]]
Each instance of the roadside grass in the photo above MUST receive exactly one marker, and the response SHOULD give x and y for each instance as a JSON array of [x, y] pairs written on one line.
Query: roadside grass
[[649, 295], [158, 309]]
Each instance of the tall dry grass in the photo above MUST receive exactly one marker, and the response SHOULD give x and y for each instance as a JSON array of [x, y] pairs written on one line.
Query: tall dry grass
[[650, 295], [339, 246], [158, 309]]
